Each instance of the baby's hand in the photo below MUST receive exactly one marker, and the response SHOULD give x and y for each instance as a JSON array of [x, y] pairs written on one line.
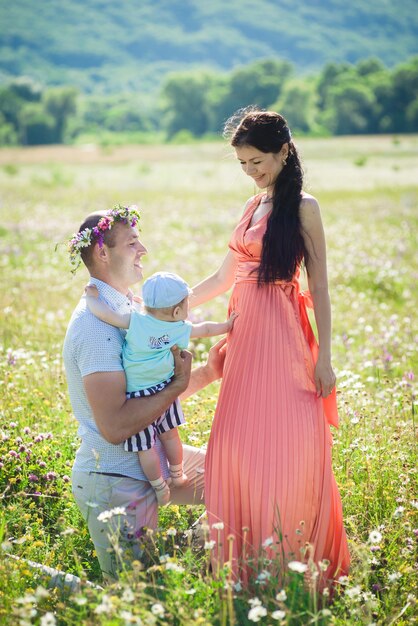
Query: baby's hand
[[232, 319], [92, 291]]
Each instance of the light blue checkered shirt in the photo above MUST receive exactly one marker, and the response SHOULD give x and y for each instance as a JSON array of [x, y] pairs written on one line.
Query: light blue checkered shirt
[[90, 346]]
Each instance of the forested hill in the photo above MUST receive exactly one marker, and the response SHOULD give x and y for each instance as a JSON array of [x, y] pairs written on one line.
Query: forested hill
[[105, 46]]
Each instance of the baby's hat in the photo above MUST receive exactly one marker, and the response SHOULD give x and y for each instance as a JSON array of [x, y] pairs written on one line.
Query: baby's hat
[[164, 289]]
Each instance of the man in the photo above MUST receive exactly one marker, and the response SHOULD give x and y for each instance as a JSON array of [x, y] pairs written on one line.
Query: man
[[109, 485]]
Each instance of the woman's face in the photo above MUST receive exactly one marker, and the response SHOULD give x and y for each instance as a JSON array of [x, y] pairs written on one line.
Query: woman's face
[[262, 167]]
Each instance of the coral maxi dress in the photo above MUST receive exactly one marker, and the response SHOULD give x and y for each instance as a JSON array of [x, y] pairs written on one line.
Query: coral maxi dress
[[268, 474]]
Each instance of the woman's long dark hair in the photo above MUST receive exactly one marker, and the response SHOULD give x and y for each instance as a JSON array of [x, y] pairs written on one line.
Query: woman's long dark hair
[[283, 245]]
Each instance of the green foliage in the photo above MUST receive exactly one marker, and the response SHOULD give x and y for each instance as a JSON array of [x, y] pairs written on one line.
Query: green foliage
[[99, 47], [343, 99]]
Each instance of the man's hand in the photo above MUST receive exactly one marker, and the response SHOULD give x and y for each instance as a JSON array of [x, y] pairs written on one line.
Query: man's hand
[[182, 368]]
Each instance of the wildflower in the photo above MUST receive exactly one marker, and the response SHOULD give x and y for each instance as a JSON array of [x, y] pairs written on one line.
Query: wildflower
[[323, 565], [209, 545], [279, 615], [375, 536], [105, 607], [164, 558], [256, 613], [175, 567], [171, 532], [131, 619], [50, 476], [66, 479], [297, 566], [254, 602], [263, 576], [394, 576], [281, 596], [105, 516], [267, 542], [128, 595], [218, 526], [398, 512], [353, 592], [81, 600], [48, 619], [33, 478], [343, 580], [158, 610], [190, 592]]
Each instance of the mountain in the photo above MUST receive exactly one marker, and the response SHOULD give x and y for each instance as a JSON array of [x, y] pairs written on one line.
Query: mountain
[[104, 46]]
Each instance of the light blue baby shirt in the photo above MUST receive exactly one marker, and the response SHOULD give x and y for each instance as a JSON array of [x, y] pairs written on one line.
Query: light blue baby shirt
[[147, 357]]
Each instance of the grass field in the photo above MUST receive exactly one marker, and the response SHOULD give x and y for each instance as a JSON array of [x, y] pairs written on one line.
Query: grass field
[[190, 198]]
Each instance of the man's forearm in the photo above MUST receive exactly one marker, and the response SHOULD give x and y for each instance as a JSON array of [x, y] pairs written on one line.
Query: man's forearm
[[119, 418]]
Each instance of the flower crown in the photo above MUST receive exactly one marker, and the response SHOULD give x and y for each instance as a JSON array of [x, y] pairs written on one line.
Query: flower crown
[[83, 239]]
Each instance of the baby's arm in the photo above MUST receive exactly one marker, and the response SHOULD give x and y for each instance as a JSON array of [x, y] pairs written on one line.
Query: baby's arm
[[101, 310], [210, 329]]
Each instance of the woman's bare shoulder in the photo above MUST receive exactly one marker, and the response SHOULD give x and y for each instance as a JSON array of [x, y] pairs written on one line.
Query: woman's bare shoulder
[[309, 209]]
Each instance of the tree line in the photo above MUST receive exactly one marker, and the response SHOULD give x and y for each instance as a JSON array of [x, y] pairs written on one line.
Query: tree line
[[343, 99]]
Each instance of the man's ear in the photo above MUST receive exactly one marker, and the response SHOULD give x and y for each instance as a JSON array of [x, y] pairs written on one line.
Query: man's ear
[[176, 312], [100, 254]]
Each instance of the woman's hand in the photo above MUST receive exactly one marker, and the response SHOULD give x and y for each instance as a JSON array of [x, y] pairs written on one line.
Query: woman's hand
[[324, 377], [216, 359]]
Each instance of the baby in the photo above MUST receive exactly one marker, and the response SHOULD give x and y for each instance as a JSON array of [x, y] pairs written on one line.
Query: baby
[[149, 365]]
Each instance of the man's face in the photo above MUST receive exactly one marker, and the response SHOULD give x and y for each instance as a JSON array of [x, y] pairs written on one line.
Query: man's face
[[124, 258]]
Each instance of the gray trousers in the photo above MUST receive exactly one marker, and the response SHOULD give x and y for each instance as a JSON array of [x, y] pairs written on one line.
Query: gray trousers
[[115, 534]]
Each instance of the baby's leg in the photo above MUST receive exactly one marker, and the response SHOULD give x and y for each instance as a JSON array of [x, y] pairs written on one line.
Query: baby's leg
[[150, 463], [174, 452]]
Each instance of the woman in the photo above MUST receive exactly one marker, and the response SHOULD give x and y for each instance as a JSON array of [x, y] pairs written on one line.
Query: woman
[[269, 487]]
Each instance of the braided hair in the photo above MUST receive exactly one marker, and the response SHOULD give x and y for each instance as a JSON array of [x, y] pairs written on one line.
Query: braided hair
[[283, 247]]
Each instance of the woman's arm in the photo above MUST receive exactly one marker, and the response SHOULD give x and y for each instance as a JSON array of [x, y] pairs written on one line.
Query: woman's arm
[[101, 310], [217, 283], [314, 238]]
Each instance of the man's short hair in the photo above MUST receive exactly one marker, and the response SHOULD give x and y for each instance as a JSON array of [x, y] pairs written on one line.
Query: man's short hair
[[109, 237]]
